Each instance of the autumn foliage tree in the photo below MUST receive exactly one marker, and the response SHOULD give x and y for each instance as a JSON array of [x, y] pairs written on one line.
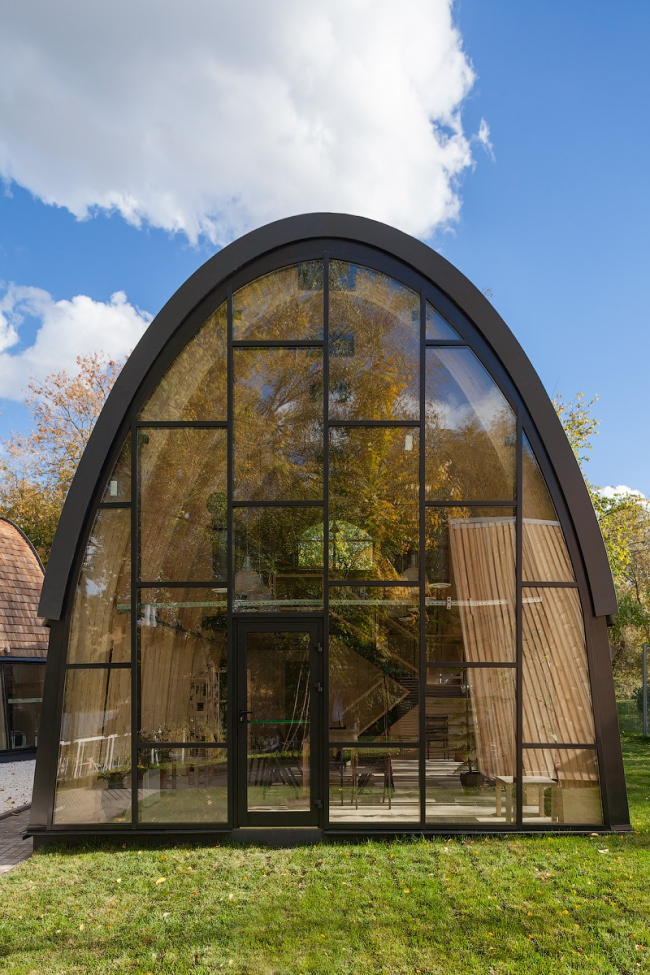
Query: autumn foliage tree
[[36, 469], [625, 525]]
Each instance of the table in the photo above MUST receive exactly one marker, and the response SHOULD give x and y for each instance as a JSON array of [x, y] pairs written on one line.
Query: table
[[506, 782]]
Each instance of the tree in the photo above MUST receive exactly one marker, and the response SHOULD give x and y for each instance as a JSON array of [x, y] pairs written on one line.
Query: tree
[[624, 521], [579, 425], [36, 469]]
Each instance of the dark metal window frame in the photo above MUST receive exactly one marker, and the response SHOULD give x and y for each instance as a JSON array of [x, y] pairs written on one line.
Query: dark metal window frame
[[369, 255], [4, 662]]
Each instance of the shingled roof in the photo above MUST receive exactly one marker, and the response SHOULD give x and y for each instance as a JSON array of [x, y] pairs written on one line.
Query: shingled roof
[[21, 579]]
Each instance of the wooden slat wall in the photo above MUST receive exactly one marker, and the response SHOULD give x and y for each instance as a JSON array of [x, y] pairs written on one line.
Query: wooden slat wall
[[557, 699]]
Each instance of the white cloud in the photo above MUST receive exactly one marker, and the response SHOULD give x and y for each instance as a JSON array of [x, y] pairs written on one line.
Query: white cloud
[[65, 330], [620, 491], [212, 117], [483, 136]]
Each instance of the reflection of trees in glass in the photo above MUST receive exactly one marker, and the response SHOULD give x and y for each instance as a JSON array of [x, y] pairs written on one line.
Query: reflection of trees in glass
[[285, 304], [217, 505], [100, 631], [279, 553], [374, 489], [374, 345], [470, 430], [180, 471], [194, 387], [278, 424]]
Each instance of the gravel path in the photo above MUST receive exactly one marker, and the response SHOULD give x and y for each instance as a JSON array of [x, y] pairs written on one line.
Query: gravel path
[[16, 780]]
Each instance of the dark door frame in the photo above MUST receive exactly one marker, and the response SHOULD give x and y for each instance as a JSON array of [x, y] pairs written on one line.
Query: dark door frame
[[281, 624]]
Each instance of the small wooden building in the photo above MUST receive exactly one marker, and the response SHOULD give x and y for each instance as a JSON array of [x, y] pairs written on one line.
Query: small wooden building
[[23, 641]]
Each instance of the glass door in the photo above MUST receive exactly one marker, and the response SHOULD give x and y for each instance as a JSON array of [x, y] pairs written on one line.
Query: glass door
[[278, 721]]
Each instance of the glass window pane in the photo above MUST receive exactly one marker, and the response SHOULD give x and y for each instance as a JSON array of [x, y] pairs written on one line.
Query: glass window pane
[[470, 745], [118, 487], [278, 559], [24, 687], [470, 430], [374, 513], [94, 770], [556, 689], [278, 431], [470, 584], [438, 327], [101, 616], [4, 731], [278, 725], [183, 665], [374, 785], [283, 305], [374, 664], [183, 516], [374, 346], [545, 557], [195, 385], [182, 785], [561, 785]]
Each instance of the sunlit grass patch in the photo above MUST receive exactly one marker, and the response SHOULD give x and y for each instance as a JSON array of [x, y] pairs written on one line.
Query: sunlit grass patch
[[539, 904]]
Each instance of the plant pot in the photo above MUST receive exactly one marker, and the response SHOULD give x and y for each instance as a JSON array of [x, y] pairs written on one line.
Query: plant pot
[[472, 780]]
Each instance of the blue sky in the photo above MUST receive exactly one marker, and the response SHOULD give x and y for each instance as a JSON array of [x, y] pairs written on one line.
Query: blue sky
[[555, 223]]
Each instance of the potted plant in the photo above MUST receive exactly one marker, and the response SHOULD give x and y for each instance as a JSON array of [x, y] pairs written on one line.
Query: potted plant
[[470, 778]]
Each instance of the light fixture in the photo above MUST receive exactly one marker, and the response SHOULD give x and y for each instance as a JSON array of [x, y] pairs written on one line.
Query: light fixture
[[412, 574], [247, 580]]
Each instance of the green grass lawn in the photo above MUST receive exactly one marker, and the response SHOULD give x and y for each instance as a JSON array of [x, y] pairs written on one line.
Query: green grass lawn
[[539, 904]]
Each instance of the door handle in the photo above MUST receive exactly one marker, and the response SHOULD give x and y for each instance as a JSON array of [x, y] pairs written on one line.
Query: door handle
[[242, 715]]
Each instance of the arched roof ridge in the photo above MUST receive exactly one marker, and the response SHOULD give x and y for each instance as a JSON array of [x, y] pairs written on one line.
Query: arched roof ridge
[[404, 248]]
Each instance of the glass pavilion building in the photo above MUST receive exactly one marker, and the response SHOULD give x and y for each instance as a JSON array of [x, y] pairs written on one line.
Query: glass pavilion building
[[328, 562]]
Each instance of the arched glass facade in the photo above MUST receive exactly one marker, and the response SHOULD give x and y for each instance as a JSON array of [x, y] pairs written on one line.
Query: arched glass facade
[[329, 578]]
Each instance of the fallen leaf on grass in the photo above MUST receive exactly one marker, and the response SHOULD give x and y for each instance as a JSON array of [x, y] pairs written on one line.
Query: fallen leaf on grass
[[161, 880], [81, 927], [606, 850], [167, 913]]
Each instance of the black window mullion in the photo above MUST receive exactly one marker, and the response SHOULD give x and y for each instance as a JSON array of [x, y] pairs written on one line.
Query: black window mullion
[[372, 583], [278, 504], [277, 344], [549, 585], [180, 584], [465, 665], [231, 655], [373, 423], [552, 745], [422, 695], [374, 744], [455, 503], [94, 666], [183, 424], [519, 792], [182, 744], [326, 536], [135, 654]]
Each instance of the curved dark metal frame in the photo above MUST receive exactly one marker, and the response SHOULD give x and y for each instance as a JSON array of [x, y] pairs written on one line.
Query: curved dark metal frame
[[365, 242]]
